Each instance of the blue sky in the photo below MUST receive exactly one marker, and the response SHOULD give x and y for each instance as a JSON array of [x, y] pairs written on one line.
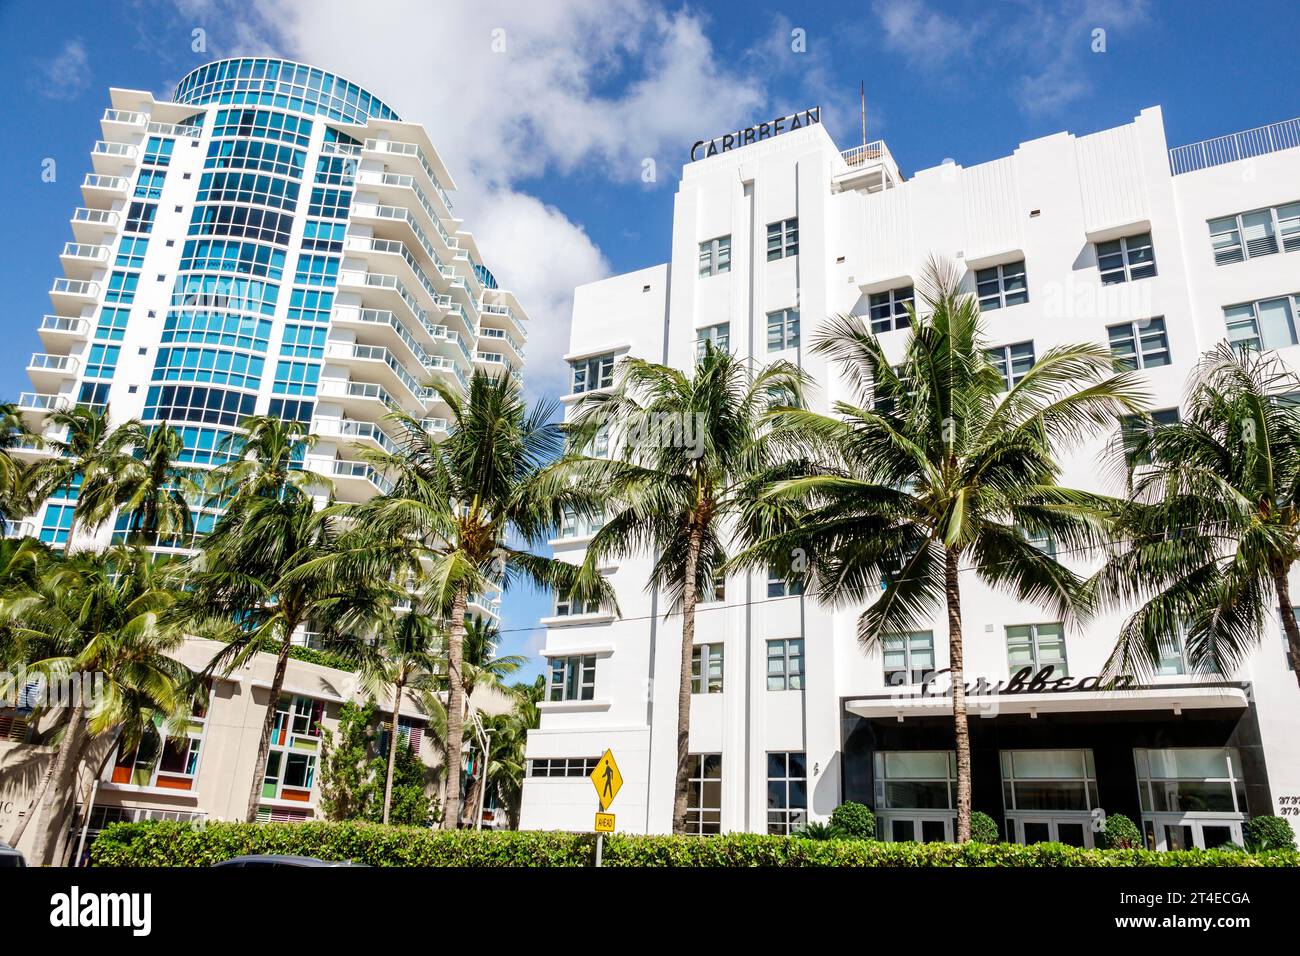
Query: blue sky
[[547, 112]]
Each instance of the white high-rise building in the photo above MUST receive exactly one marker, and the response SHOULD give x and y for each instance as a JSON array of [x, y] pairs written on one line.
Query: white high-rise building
[[272, 240], [1110, 237]]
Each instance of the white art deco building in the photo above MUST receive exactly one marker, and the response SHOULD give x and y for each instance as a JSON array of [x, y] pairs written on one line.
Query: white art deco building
[[1110, 237]]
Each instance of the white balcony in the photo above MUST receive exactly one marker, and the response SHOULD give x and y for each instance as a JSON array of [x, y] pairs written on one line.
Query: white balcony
[[81, 260], [506, 316], [375, 362], [70, 296], [353, 480], [869, 168], [92, 226], [360, 400], [26, 528], [120, 123], [360, 434], [31, 449], [100, 192], [48, 371], [493, 339], [113, 159], [410, 156], [174, 129], [64, 330], [39, 404]]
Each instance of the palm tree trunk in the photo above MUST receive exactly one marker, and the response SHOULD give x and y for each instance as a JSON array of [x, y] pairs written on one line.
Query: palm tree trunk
[[689, 594], [31, 813], [61, 784], [268, 724], [455, 709], [957, 668], [80, 820], [392, 750], [1289, 625]]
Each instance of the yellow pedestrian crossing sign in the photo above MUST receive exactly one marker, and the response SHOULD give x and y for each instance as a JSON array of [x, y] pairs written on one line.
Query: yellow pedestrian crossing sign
[[606, 779]]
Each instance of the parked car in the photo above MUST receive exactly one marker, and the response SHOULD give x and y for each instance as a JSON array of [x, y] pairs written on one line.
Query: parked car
[[276, 859], [10, 857]]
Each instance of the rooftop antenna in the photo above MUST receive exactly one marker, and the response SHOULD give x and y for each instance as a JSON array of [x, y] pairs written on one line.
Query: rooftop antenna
[[864, 112]]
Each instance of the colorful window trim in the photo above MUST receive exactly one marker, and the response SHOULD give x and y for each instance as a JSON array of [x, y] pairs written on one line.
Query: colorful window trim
[[295, 748], [161, 761]]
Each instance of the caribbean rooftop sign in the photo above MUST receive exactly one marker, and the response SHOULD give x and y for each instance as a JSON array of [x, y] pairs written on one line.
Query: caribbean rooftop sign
[[744, 137]]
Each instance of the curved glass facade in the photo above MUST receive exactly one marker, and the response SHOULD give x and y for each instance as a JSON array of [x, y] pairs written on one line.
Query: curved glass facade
[[261, 81]]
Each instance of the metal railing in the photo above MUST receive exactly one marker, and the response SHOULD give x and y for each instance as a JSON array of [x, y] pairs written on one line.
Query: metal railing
[[124, 116], [64, 323], [860, 155], [98, 217], [96, 181], [52, 363], [79, 287], [38, 402], [1235, 146], [82, 250]]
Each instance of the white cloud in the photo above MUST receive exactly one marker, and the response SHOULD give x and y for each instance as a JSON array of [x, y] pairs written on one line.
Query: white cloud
[[64, 76], [922, 34], [515, 91]]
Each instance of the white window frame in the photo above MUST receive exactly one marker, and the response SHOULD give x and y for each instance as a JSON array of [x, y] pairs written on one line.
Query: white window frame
[[786, 819], [565, 606], [782, 587], [703, 818], [601, 365], [1281, 224], [791, 656], [715, 256], [542, 768], [912, 642], [1004, 361], [786, 323], [1117, 264], [1035, 644], [704, 657], [568, 673], [991, 285], [1155, 821], [719, 334], [887, 311], [1131, 425], [1147, 341], [782, 238], [1244, 316]]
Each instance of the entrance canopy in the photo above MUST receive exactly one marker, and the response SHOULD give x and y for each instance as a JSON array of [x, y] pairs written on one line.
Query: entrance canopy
[[1171, 698]]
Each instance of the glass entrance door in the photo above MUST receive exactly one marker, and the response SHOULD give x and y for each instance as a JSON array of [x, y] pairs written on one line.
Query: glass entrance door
[[1072, 829], [897, 827], [1173, 832]]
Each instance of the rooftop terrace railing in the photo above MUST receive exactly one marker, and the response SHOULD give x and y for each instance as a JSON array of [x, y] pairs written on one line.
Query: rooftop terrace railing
[[1235, 146]]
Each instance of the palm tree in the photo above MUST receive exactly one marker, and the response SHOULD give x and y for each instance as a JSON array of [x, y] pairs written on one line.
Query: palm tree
[[268, 462], [103, 615], [938, 468], [461, 517], [1207, 543], [86, 458], [14, 501], [693, 449], [407, 656], [504, 770], [253, 581], [479, 665], [150, 488]]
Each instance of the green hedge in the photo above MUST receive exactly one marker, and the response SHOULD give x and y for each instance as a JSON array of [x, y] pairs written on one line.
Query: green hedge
[[179, 844]]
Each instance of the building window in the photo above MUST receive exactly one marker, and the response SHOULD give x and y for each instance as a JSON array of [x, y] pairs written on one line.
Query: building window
[[909, 658], [718, 335], [1122, 260], [593, 373], [1000, 286], [171, 762], [1136, 431], [787, 792], [782, 239], [1173, 656], [1267, 324], [785, 664], [715, 256], [572, 678], [782, 329], [1048, 780], [1254, 234], [1190, 780], [562, 766], [295, 746], [1013, 362], [916, 780], [1037, 646], [889, 309], [706, 669], [567, 606], [704, 794], [574, 525], [1041, 540], [716, 594], [779, 586], [1141, 344]]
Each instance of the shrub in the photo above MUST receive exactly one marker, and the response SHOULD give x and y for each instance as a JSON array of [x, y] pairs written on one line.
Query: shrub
[[1269, 833], [854, 821], [983, 829], [1121, 833], [166, 843], [817, 831]]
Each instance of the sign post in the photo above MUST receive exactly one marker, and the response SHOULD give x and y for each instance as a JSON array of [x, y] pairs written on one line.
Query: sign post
[[607, 781]]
